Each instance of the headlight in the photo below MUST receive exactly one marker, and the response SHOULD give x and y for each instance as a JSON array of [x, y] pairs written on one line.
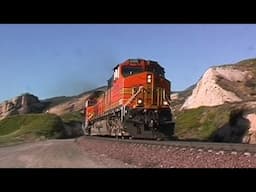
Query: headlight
[[165, 102], [149, 78], [140, 101]]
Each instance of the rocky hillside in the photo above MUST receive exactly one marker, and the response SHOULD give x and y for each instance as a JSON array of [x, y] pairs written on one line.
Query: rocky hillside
[[26, 103], [178, 98], [63, 105], [222, 105], [224, 84], [58, 117]]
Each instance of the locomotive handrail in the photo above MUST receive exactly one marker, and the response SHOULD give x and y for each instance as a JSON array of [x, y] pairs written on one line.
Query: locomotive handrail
[[129, 101], [133, 96], [169, 104], [168, 101]]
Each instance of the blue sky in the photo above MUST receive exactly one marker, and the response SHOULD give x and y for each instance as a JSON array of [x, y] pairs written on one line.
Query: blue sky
[[50, 60]]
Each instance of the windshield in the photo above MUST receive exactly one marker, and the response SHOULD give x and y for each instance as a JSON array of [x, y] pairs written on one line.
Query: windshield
[[127, 71], [155, 69]]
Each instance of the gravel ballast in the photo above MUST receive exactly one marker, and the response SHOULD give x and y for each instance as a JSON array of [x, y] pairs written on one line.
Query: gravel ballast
[[158, 156]]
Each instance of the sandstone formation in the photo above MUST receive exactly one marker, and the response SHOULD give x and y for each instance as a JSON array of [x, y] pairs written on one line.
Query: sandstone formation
[[75, 104], [209, 92], [22, 104], [251, 135]]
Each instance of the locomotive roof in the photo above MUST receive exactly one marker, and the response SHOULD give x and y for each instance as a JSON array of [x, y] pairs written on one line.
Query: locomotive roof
[[137, 61]]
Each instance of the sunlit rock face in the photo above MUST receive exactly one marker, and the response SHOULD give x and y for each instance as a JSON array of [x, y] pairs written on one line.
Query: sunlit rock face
[[250, 137], [22, 104], [208, 91]]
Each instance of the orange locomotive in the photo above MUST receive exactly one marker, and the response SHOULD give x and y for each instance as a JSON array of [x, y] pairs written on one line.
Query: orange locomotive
[[135, 104]]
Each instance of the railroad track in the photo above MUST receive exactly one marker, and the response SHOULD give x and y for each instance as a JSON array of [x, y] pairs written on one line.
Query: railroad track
[[235, 147]]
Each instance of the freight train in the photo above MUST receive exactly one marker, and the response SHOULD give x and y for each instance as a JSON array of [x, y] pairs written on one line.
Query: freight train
[[135, 104]]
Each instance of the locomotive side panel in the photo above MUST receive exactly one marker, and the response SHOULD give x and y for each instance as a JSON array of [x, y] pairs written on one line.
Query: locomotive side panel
[[115, 93]]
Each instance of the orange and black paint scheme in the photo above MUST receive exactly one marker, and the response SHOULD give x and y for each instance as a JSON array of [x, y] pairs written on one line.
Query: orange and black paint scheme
[[136, 103]]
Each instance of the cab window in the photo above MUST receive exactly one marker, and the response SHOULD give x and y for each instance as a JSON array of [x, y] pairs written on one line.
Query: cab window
[[127, 71], [156, 70]]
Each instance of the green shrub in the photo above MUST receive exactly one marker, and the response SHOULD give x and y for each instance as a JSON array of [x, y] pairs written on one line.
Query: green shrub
[[32, 126], [201, 123], [72, 116]]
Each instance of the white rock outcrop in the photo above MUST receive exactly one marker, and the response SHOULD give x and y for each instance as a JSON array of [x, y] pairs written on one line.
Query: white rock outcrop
[[208, 93], [251, 137]]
